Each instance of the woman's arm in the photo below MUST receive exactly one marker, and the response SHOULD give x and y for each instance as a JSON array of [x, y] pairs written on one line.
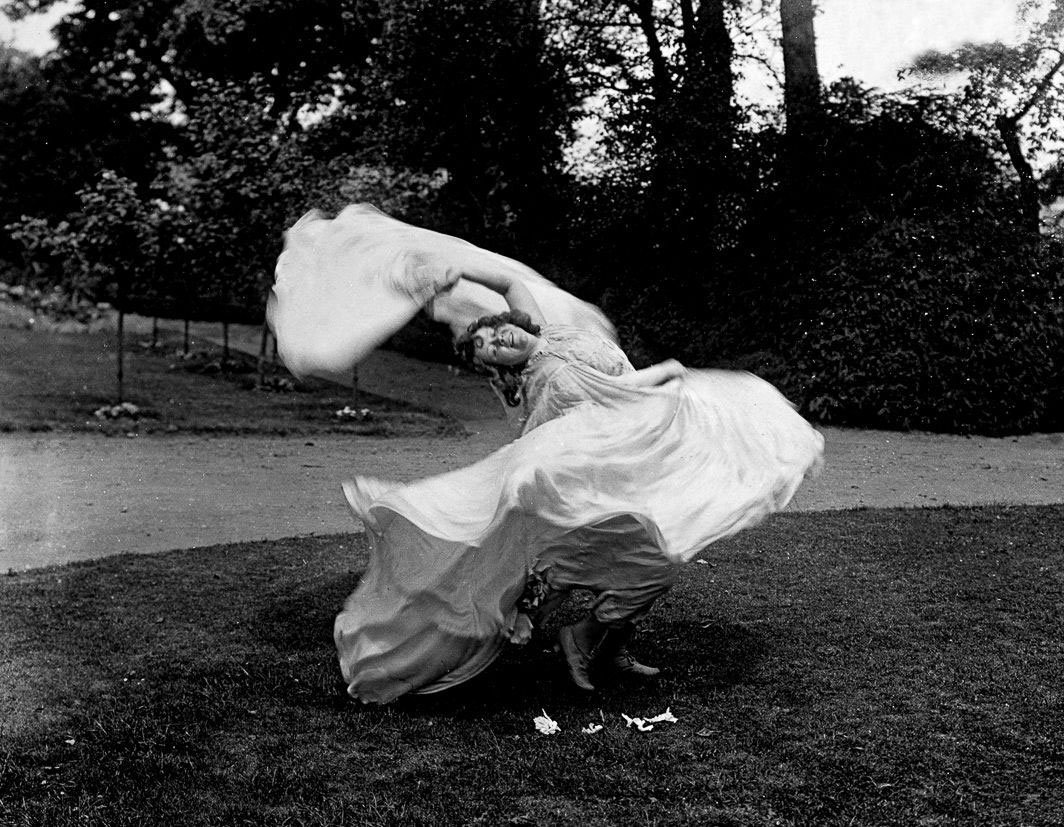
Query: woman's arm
[[517, 295], [653, 376]]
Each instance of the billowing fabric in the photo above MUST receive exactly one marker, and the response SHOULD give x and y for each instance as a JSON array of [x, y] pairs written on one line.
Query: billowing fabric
[[344, 285], [613, 489]]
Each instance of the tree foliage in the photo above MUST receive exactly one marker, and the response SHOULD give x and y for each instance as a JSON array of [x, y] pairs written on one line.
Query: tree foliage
[[862, 270], [57, 135], [1015, 93], [476, 89], [104, 251], [922, 299]]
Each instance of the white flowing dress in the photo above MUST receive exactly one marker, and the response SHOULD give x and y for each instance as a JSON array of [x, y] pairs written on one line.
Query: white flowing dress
[[609, 487]]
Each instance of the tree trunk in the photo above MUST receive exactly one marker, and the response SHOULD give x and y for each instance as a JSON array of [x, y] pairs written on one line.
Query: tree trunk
[[661, 114], [186, 336], [354, 387], [225, 342], [644, 12], [1008, 128], [262, 353], [121, 355], [154, 332], [710, 64], [801, 80]]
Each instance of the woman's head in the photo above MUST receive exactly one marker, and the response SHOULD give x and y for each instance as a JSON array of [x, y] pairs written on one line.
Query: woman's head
[[500, 345], [505, 340]]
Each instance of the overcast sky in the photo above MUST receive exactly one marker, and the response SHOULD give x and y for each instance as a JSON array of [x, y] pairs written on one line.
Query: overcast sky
[[868, 39], [872, 39]]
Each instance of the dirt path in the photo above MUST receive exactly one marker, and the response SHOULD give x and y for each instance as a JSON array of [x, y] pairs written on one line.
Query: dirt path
[[67, 497]]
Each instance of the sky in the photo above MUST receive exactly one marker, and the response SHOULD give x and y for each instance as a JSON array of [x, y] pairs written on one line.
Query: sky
[[871, 39], [866, 39]]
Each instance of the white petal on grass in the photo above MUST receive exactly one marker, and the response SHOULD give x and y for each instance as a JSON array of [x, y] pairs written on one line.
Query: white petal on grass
[[591, 729], [546, 725], [665, 717], [638, 723]]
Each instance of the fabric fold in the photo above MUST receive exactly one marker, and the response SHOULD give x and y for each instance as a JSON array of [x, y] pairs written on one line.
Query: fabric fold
[[637, 476]]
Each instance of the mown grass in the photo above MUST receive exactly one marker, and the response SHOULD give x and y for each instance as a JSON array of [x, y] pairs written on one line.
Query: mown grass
[[57, 381], [871, 667]]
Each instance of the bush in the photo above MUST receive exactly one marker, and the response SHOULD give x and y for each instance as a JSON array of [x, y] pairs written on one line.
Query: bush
[[924, 327], [899, 281]]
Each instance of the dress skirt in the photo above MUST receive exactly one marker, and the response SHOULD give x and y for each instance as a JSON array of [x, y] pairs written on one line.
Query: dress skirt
[[614, 496]]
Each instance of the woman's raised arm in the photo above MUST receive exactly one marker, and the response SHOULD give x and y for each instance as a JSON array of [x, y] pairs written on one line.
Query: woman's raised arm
[[517, 295]]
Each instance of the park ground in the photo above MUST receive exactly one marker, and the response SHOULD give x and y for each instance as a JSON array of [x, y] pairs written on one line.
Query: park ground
[[860, 660], [73, 494]]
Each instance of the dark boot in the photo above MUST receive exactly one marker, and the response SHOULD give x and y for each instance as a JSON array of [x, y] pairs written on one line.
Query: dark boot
[[612, 654], [576, 657]]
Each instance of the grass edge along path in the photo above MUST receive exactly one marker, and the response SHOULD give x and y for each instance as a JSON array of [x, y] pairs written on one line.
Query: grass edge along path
[[867, 667], [58, 381]]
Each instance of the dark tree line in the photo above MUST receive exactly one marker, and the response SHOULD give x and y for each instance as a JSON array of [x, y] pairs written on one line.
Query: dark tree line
[[799, 240]]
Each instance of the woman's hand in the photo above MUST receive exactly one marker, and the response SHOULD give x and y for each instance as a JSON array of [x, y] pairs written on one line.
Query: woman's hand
[[431, 280], [655, 375], [672, 369]]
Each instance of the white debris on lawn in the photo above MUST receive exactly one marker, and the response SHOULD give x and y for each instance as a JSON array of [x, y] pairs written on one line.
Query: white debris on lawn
[[647, 724], [638, 723], [360, 414], [546, 725]]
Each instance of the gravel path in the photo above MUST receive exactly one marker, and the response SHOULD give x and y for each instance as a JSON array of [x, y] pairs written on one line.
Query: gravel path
[[68, 497]]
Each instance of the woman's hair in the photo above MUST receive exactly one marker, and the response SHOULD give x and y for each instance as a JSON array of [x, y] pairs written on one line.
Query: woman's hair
[[506, 378]]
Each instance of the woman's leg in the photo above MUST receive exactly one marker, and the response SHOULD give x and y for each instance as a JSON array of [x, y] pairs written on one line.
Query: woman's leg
[[578, 643], [613, 654]]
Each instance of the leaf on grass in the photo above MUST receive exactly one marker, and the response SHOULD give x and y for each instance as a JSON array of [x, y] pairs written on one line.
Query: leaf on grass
[[665, 717], [638, 723], [546, 725]]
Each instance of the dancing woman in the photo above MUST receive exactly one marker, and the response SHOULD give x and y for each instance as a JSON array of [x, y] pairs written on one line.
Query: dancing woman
[[528, 361], [617, 479]]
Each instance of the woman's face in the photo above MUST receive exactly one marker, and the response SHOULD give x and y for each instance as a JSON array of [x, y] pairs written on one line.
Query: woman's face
[[506, 344]]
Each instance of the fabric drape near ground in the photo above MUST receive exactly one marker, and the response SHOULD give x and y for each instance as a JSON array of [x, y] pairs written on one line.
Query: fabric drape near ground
[[671, 469]]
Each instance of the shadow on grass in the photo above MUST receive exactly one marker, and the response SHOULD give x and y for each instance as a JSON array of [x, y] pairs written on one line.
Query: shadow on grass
[[869, 667]]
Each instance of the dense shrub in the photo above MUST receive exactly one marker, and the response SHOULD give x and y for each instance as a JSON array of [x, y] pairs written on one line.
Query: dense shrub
[[906, 289], [923, 327]]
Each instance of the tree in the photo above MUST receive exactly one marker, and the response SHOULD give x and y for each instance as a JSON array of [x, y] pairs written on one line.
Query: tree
[[801, 89], [474, 88], [303, 49], [663, 75], [235, 184], [56, 136], [657, 215], [103, 251], [1015, 92]]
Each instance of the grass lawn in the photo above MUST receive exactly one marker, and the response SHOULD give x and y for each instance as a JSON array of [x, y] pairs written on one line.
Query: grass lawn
[[878, 667], [56, 381]]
